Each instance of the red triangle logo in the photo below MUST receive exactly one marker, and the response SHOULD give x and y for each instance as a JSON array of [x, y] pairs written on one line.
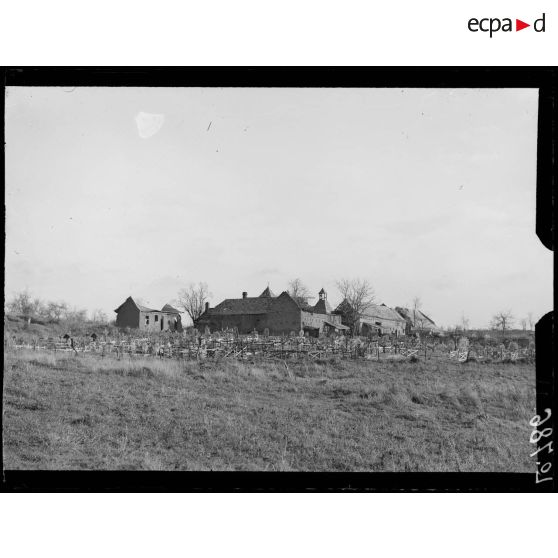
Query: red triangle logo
[[519, 25]]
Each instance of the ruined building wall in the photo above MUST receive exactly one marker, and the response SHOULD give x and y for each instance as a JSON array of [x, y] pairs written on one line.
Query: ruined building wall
[[128, 315], [283, 316], [313, 320], [385, 324], [243, 323], [155, 319], [153, 326]]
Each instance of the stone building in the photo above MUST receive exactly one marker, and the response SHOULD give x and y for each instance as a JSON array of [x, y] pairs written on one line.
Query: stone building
[[136, 316], [279, 315], [375, 319]]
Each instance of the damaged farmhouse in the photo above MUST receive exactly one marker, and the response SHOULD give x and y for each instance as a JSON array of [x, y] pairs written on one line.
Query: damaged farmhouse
[[136, 316]]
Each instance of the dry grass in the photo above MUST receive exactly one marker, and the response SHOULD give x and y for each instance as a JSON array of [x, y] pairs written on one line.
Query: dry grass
[[68, 412]]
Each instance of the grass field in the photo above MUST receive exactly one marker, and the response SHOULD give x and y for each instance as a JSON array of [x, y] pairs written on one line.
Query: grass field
[[68, 412]]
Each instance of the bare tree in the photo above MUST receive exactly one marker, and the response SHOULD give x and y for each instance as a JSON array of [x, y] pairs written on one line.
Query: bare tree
[[192, 299], [358, 295], [523, 323], [75, 315], [531, 321], [55, 310], [464, 322], [25, 306], [502, 320], [20, 303], [418, 320], [99, 316], [299, 291]]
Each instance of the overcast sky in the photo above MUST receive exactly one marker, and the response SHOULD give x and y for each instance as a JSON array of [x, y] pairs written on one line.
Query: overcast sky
[[112, 192]]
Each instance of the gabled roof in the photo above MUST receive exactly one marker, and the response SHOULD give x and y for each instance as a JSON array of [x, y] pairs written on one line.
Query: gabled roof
[[168, 308], [267, 293], [249, 305], [145, 308], [427, 318], [285, 295], [383, 312], [322, 307], [373, 312], [410, 314], [140, 307], [342, 307]]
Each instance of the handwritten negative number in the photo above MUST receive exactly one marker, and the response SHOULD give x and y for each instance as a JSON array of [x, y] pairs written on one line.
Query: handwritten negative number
[[536, 436]]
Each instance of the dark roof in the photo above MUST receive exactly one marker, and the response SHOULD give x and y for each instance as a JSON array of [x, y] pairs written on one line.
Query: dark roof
[[142, 308], [342, 307], [267, 293], [322, 307], [248, 305], [322, 291], [137, 305], [168, 308]]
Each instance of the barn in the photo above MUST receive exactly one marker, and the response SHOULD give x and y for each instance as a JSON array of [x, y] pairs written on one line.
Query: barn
[[137, 316], [376, 318]]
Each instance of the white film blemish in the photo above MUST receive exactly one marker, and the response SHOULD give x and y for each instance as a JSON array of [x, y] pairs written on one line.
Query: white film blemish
[[149, 124]]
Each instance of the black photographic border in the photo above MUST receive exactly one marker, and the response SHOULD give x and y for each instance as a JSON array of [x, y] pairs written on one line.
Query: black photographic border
[[542, 78]]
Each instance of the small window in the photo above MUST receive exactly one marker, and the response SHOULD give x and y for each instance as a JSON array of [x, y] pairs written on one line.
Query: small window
[[378, 323], [156, 318], [147, 320]]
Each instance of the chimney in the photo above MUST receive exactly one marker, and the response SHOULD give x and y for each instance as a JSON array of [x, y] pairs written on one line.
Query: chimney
[[207, 306], [244, 294]]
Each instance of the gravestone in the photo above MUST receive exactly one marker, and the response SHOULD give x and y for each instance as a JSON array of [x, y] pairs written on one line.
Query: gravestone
[[463, 343]]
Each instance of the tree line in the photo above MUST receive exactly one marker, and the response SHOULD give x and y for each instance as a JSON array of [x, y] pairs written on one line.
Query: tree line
[[357, 294], [503, 321], [32, 308]]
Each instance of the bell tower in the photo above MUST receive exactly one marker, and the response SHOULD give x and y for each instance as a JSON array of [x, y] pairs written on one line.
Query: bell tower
[[322, 306]]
